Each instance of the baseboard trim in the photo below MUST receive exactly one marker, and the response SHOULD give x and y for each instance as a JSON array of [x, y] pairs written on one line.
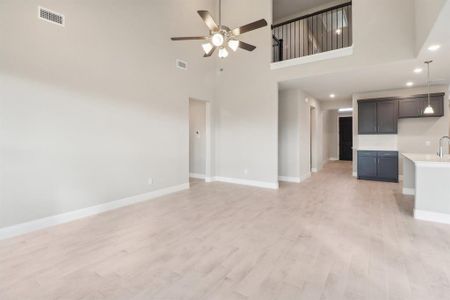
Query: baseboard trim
[[431, 216], [333, 158], [355, 174], [197, 175], [261, 184], [409, 191], [314, 170], [289, 179], [23, 228]]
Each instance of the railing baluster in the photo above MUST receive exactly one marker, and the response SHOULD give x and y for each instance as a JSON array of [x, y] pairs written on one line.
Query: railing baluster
[[314, 33]]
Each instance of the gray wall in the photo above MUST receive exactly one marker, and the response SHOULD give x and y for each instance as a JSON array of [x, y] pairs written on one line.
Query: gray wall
[[246, 102], [298, 127], [288, 134], [91, 111], [332, 134], [197, 137]]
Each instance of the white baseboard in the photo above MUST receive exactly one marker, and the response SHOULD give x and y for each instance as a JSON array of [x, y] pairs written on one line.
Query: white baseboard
[[209, 179], [19, 229], [261, 184], [355, 174], [432, 216], [409, 191], [333, 158], [314, 170], [289, 179], [197, 176]]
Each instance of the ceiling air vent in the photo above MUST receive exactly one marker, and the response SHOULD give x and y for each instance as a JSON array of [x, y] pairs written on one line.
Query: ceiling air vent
[[181, 64], [50, 16]]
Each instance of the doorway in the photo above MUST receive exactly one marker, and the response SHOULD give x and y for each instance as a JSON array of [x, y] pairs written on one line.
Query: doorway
[[346, 138], [199, 140], [312, 140]]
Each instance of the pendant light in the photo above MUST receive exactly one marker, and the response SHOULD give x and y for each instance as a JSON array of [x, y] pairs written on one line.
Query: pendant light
[[429, 109]]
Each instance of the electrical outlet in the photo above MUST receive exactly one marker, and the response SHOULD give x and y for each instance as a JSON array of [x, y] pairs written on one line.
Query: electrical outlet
[[150, 181]]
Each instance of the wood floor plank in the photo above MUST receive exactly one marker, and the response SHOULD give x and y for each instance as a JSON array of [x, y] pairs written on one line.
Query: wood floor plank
[[330, 237]]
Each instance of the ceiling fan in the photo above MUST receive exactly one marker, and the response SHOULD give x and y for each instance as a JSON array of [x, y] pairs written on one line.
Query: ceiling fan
[[221, 36]]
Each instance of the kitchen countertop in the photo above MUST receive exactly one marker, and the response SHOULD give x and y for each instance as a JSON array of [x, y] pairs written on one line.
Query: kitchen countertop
[[429, 158]]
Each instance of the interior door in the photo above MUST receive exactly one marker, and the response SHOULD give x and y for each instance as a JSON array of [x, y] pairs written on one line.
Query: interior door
[[346, 138]]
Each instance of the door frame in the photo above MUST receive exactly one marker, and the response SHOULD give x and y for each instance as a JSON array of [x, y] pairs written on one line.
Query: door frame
[[208, 176]]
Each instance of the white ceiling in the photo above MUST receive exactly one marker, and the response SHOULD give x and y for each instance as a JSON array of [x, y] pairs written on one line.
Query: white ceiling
[[387, 76], [375, 78], [286, 8]]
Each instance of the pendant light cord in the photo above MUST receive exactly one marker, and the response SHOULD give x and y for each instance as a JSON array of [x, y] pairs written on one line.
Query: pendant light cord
[[220, 14], [429, 90]]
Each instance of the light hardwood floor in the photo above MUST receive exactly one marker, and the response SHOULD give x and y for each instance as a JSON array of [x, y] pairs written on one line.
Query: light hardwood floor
[[331, 237]]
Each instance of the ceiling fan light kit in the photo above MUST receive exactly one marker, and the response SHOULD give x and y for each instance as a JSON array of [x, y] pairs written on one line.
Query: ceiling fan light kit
[[221, 36]]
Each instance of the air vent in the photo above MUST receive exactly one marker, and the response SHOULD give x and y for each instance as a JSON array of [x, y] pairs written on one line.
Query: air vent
[[51, 16], [181, 64]]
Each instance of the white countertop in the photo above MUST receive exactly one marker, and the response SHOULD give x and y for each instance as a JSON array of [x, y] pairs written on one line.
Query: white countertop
[[432, 158]]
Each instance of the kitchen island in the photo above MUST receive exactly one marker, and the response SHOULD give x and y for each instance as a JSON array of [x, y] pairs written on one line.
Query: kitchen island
[[427, 177]]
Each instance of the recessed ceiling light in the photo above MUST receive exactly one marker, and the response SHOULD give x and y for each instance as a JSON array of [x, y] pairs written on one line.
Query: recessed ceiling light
[[409, 83], [332, 96], [434, 47], [418, 70]]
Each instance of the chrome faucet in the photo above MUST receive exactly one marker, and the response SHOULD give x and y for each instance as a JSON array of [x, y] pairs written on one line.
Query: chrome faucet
[[441, 147]]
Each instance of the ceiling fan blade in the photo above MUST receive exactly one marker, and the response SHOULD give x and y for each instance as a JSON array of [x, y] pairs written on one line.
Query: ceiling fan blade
[[249, 27], [210, 52], [208, 19], [246, 46], [189, 38]]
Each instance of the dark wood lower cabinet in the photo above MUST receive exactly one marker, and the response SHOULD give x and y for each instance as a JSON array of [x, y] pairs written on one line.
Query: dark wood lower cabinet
[[378, 165]]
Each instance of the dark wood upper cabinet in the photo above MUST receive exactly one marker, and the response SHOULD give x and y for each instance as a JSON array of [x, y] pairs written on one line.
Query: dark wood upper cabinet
[[367, 117], [377, 116], [387, 117], [409, 108], [414, 106], [380, 116]]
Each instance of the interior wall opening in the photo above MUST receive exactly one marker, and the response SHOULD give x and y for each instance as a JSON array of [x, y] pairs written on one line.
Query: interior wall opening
[[199, 140]]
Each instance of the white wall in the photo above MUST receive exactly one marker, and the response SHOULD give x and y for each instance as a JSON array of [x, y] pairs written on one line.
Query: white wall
[[90, 111], [426, 13], [297, 128], [332, 134], [288, 134], [246, 107], [413, 134], [197, 137], [376, 24]]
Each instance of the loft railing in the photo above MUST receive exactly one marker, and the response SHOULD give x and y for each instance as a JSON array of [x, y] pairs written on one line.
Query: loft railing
[[277, 49], [322, 31]]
